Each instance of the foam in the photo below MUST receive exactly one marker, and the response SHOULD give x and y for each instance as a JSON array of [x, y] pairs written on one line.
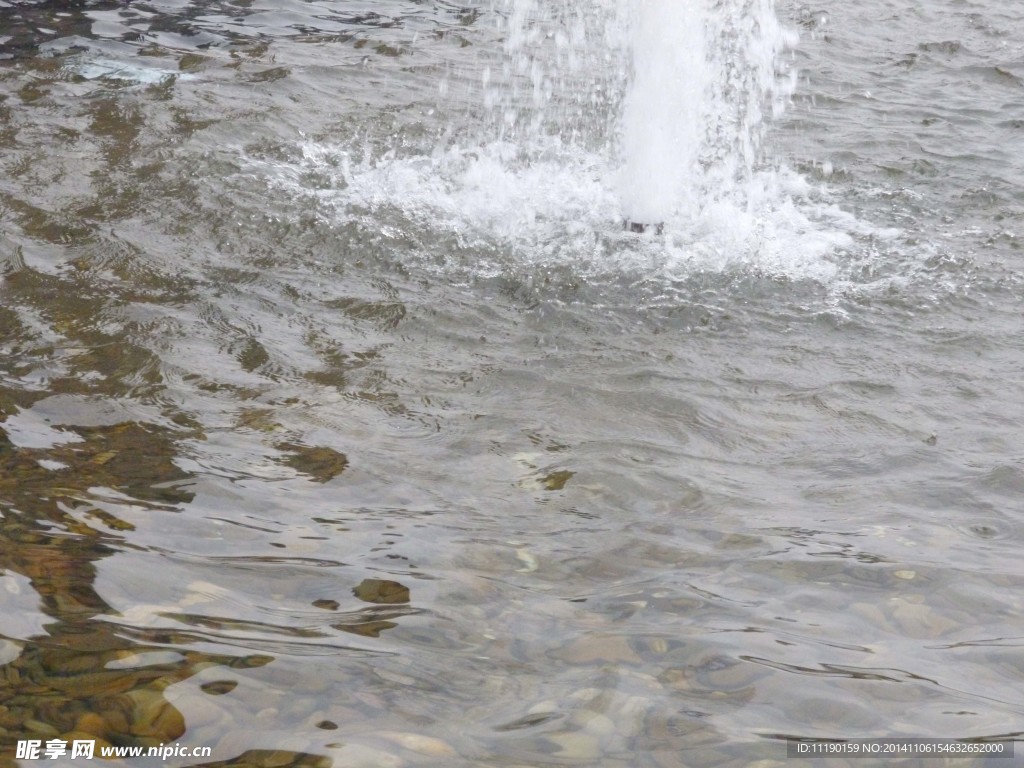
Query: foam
[[681, 143]]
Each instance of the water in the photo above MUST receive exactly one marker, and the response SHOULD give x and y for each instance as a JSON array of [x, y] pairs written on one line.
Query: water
[[342, 422], [692, 120]]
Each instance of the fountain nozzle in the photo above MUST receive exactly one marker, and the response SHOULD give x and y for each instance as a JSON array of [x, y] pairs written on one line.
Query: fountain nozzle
[[640, 228]]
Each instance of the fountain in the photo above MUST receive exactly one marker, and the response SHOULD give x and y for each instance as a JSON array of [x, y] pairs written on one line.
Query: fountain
[[663, 113], [559, 125], [693, 79]]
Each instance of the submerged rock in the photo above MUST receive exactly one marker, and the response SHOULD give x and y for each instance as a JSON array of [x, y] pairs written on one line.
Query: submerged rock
[[381, 591], [319, 463]]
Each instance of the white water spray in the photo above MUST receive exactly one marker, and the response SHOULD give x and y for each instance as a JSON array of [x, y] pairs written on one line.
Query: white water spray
[[675, 90], [691, 124], [569, 117], [664, 112]]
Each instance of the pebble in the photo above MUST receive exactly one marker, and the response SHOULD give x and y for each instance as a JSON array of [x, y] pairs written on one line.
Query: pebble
[[276, 758], [67, 663], [595, 723], [153, 715], [381, 591], [201, 711], [123, 660], [92, 724], [145, 615], [89, 684], [576, 745], [918, 620], [529, 562], [591, 649], [9, 651], [586, 694], [40, 728], [546, 707], [424, 745], [299, 708], [219, 687], [268, 714], [362, 756], [114, 714], [634, 708]]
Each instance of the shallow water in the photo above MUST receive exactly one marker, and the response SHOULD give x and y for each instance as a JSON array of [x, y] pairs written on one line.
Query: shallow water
[[343, 424]]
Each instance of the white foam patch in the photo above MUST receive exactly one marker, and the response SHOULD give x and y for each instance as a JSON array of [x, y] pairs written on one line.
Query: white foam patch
[[686, 83], [101, 69], [563, 209], [775, 223], [486, 189]]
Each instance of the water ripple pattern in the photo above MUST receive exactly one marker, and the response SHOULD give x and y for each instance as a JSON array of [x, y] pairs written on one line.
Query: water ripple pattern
[[342, 422]]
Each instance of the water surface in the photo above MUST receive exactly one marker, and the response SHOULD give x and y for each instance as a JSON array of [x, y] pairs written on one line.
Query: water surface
[[342, 424]]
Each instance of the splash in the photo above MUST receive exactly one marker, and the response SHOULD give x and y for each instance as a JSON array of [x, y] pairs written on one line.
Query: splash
[[569, 118], [693, 116]]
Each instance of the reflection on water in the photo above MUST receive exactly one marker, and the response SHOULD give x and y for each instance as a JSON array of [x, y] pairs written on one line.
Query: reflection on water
[[74, 676], [341, 425]]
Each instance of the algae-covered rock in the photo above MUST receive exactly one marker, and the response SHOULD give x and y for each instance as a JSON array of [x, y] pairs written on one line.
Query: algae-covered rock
[[381, 591], [319, 463]]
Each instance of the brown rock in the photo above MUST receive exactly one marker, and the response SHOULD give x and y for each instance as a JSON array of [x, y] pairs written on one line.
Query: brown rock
[[424, 745], [154, 716], [91, 723], [381, 591]]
